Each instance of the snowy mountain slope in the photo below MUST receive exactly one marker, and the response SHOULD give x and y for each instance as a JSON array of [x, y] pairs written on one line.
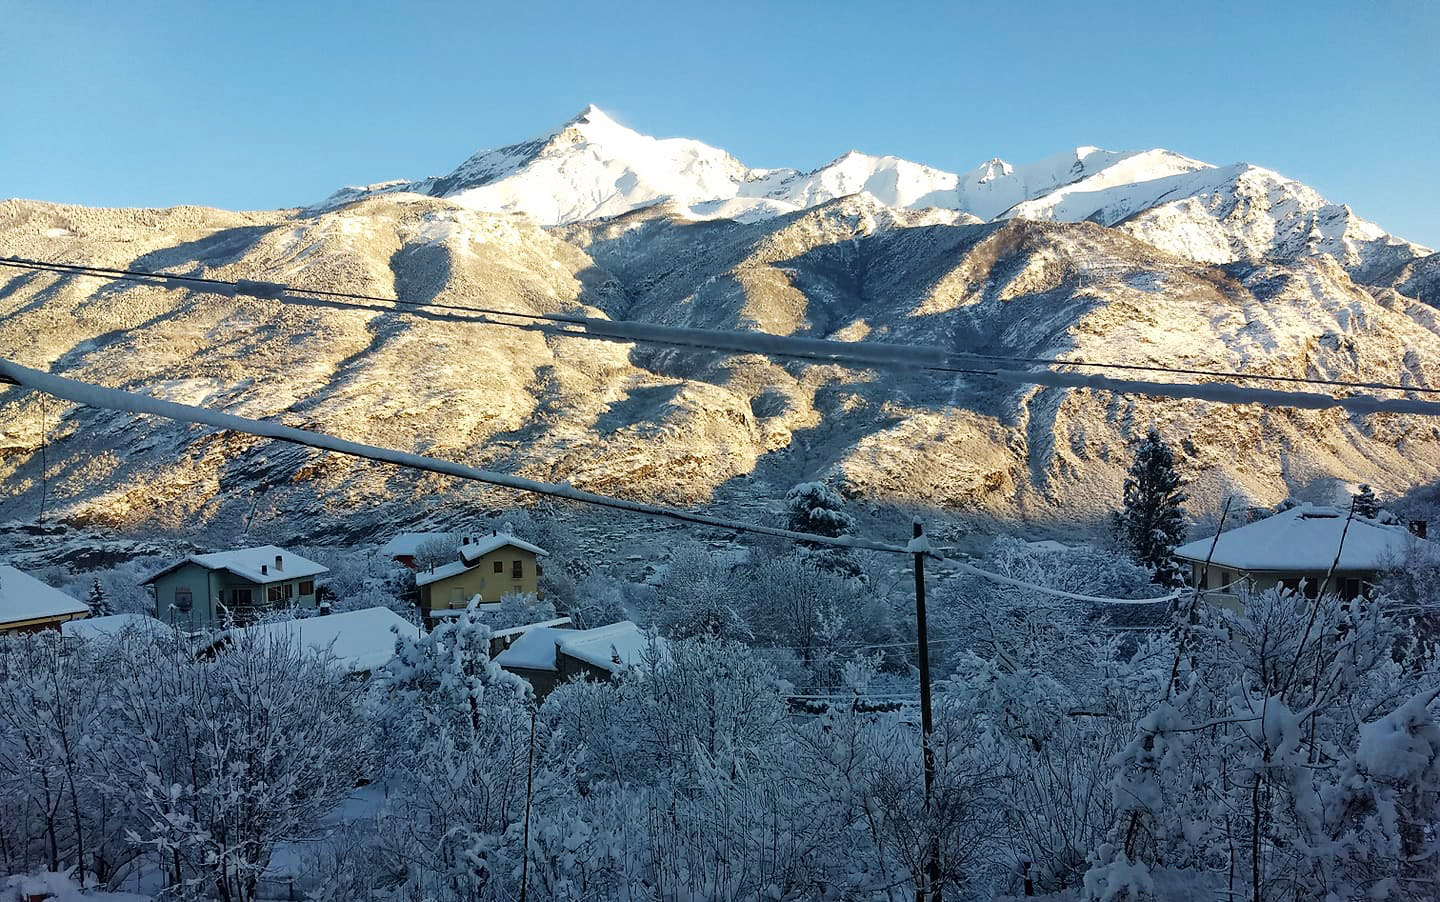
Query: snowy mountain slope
[[595, 168]]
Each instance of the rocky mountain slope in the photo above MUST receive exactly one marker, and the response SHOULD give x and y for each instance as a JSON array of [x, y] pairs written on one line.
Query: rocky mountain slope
[[1206, 273]]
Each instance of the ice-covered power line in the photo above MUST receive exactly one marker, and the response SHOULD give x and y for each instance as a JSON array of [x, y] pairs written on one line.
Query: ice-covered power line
[[130, 402], [91, 395], [819, 350]]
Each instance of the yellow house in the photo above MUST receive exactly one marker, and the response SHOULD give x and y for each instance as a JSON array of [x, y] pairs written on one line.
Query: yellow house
[[492, 567], [27, 605]]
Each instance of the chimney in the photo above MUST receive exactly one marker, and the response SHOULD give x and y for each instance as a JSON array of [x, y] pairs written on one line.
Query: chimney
[[1419, 528], [264, 569], [494, 532], [465, 540], [279, 564]]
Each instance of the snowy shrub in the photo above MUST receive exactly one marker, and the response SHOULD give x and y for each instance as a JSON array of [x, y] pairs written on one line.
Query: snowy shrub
[[598, 601], [520, 609], [701, 595]]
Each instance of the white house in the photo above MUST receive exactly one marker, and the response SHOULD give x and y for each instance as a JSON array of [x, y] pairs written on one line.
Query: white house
[[27, 605], [1294, 549]]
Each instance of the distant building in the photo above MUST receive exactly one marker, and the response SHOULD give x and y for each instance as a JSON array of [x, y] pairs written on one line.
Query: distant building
[[492, 567], [27, 605], [404, 547], [546, 657], [201, 590], [1294, 550]]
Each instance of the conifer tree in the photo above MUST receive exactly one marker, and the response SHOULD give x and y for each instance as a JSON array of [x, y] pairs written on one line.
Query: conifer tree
[[1366, 504], [98, 602], [816, 508], [1153, 521]]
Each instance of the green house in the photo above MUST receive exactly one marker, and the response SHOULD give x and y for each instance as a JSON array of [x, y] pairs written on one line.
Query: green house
[[204, 590]]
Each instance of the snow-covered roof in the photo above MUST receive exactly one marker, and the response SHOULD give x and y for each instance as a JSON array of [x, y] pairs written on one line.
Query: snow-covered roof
[[539, 647], [246, 563], [112, 625], [360, 641], [535, 650], [478, 548], [406, 544], [1304, 539], [426, 577], [521, 630], [612, 647], [23, 597]]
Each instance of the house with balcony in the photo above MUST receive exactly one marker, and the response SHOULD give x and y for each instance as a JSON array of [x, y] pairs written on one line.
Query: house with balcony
[[490, 566], [1295, 549], [201, 591]]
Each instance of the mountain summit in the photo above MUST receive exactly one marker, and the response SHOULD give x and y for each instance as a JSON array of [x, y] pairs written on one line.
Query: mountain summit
[[592, 167]]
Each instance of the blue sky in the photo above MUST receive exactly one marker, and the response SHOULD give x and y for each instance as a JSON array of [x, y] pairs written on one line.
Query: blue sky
[[263, 104]]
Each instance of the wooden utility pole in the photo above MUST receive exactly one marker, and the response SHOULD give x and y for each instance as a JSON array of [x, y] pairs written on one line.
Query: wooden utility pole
[[927, 890], [529, 790]]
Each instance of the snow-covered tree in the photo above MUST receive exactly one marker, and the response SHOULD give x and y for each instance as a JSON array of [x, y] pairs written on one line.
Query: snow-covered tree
[[1152, 522], [701, 595], [457, 730], [222, 759], [815, 507], [1366, 504], [98, 601]]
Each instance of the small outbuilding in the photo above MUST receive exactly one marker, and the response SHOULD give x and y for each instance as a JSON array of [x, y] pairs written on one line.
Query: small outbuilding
[[546, 656], [28, 606]]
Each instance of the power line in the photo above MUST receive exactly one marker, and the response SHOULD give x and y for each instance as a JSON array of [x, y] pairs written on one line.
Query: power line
[[91, 395], [922, 357], [129, 402]]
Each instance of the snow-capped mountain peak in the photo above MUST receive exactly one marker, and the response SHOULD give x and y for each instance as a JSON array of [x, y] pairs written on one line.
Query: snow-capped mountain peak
[[592, 167]]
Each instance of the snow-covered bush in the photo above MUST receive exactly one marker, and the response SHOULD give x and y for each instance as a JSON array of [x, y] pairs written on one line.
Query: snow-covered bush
[[702, 595]]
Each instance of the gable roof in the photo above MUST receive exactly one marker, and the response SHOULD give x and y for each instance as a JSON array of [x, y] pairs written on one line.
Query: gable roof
[[406, 544], [360, 641], [478, 548], [23, 597], [246, 563], [1305, 539], [540, 647], [426, 577]]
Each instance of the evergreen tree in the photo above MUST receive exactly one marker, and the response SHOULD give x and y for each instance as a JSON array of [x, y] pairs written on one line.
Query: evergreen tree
[[99, 604], [1366, 504], [1153, 521], [815, 507]]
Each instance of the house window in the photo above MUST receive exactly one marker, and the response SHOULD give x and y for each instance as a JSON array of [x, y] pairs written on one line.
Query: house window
[[184, 599], [457, 596], [307, 587], [241, 597], [272, 593], [517, 569], [289, 591], [499, 566], [1312, 588], [1350, 589]]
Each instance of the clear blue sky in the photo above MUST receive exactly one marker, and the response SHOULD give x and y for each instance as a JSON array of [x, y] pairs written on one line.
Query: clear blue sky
[[266, 104]]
